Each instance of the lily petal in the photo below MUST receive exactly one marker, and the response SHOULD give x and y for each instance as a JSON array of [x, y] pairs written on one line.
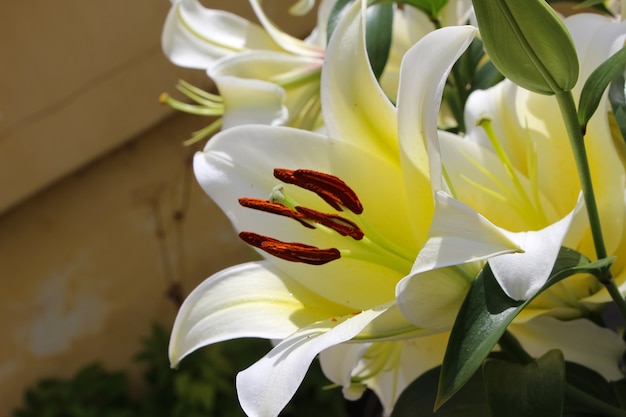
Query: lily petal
[[235, 166], [459, 235], [521, 275], [249, 101], [354, 105], [267, 386], [419, 97], [281, 98], [247, 300], [580, 340], [195, 37], [286, 41], [387, 368]]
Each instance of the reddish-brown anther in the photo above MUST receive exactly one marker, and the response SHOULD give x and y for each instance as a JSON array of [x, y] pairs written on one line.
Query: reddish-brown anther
[[339, 224], [330, 188], [274, 208], [291, 251]]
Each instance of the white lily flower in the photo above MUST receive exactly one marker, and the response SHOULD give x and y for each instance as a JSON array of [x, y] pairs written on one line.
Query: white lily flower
[[514, 171], [280, 71], [337, 232]]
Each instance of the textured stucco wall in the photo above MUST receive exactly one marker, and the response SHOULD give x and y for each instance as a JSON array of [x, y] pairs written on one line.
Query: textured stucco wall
[[86, 264]]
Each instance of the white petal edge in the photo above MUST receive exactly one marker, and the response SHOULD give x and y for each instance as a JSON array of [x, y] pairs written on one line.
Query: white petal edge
[[521, 275], [247, 300], [195, 37], [580, 340], [267, 386], [423, 74]]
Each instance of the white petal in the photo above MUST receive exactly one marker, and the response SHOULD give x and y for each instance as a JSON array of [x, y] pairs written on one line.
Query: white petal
[[391, 366], [267, 386], [249, 101], [339, 361], [460, 235], [521, 275], [580, 340], [195, 37], [248, 300], [272, 104], [431, 299], [239, 162], [423, 75], [301, 7], [354, 105], [286, 41]]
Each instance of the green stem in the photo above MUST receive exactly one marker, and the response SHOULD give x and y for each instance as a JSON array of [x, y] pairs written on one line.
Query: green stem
[[570, 117]]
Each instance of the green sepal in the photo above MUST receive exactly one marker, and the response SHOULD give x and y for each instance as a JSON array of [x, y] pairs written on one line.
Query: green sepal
[[529, 389], [597, 82], [485, 314], [379, 27], [528, 43], [617, 99]]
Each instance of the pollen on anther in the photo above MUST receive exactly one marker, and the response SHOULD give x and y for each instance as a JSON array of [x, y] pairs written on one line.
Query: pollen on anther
[[333, 190], [291, 251], [274, 208]]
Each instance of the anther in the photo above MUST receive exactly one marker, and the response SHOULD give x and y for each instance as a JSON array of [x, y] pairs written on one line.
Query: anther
[[330, 188], [291, 251], [339, 224], [274, 208]]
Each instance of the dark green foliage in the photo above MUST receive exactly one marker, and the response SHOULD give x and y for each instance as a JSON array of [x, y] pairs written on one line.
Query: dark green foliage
[[202, 386]]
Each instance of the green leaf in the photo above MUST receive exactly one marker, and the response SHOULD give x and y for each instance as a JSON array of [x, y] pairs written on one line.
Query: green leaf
[[378, 36], [617, 98], [532, 389], [619, 390], [597, 82], [485, 314], [528, 43], [418, 398]]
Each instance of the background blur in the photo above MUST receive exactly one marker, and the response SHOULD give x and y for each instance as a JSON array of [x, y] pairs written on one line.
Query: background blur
[[100, 216]]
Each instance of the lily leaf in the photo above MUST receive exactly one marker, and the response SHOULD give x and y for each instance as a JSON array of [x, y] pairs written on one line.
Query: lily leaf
[[529, 389], [485, 314], [617, 98], [528, 43], [597, 82], [418, 398]]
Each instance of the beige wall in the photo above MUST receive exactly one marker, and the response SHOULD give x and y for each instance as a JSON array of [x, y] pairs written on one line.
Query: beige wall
[[86, 264], [93, 177]]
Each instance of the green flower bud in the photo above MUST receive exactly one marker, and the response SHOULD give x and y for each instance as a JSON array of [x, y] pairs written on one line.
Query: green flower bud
[[528, 43]]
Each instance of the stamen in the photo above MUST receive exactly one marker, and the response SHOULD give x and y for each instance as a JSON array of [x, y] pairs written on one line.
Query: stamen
[[291, 251], [339, 224], [331, 189], [274, 208]]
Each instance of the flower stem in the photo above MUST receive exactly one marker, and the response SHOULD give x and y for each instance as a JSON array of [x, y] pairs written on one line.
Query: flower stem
[[575, 134]]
